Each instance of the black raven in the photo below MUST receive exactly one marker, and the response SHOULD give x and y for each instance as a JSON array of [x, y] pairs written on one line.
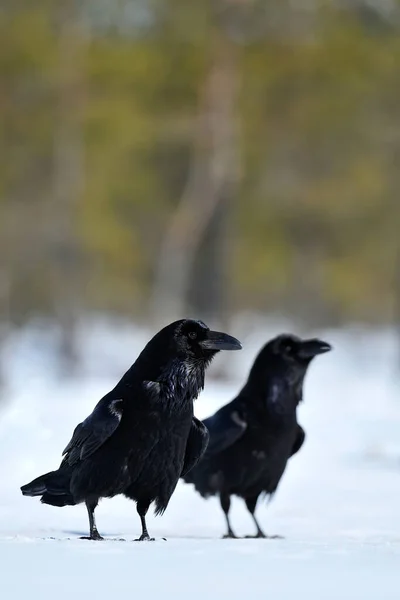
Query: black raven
[[142, 436], [252, 437]]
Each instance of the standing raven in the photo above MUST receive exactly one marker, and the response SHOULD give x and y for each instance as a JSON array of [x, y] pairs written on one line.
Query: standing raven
[[142, 436], [252, 437]]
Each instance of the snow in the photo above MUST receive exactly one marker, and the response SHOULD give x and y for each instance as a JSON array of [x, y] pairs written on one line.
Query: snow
[[337, 505]]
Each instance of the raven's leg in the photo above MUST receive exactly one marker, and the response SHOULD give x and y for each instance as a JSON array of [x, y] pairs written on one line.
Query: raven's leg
[[225, 500], [142, 507], [251, 506], [94, 534]]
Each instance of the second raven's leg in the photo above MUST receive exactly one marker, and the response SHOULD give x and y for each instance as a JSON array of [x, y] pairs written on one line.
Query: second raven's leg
[[225, 500], [94, 534], [251, 506], [142, 507]]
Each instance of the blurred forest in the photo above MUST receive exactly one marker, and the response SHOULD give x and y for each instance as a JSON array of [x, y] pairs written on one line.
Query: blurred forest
[[162, 158]]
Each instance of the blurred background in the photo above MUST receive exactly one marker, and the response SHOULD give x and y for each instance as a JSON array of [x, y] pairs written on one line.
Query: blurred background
[[230, 160], [235, 161]]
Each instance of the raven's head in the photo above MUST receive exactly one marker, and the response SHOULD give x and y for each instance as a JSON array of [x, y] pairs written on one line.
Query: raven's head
[[295, 351], [184, 341], [194, 340], [178, 356]]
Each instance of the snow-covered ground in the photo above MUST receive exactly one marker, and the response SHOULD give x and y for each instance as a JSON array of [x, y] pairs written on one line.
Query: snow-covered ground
[[338, 505]]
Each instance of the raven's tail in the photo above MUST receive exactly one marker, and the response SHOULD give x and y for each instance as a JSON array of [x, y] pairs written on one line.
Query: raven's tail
[[55, 483], [64, 500], [54, 487]]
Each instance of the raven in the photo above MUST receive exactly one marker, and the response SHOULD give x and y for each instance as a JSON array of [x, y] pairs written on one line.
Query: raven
[[252, 437], [142, 436]]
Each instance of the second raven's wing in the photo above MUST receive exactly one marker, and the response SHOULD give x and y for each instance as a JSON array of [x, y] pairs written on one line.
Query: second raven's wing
[[226, 426], [196, 445], [94, 430], [299, 441]]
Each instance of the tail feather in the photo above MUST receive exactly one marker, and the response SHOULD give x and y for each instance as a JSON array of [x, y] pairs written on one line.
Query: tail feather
[[65, 500], [56, 483]]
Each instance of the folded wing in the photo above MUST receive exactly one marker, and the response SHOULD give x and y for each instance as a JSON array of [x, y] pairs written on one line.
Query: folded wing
[[196, 445], [299, 441], [226, 426], [94, 431]]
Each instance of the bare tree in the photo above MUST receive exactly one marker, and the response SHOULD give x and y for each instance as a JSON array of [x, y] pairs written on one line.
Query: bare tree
[[68, 177], [213, 170]]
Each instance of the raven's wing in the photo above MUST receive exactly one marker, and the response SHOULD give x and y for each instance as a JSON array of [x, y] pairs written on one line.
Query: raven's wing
[[299, 441], [94, 430], [196, 445], [225, 427]]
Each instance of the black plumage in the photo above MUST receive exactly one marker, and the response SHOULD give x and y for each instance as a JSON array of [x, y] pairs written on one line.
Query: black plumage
[[142, 436], [252, 437]]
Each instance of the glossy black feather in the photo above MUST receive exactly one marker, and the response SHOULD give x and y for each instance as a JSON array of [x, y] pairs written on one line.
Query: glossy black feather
[[94, 430], [299, 441], [253, 437], [196, 445], [227, 426]]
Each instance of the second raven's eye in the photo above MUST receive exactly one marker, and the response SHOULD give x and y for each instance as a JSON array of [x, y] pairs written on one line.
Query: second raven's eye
[[192, 335]]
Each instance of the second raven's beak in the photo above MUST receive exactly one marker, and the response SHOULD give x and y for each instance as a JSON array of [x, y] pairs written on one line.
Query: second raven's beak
[[311, 348], [216, 340]]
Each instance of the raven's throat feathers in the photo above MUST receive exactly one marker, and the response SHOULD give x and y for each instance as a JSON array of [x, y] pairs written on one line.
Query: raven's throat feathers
[[182, 382]]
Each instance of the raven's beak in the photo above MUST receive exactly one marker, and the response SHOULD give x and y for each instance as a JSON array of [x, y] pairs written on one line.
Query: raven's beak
[[311, 348], [216, 340]]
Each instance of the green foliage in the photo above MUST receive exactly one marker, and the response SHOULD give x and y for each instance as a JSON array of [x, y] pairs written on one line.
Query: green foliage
[[316, 216]]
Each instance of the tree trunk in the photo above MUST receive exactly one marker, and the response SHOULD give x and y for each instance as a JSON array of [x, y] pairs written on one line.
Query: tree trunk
[[68, 181], [209, 287], [212, 172]]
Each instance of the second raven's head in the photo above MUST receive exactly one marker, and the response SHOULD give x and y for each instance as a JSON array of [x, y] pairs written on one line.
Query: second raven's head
[[296, 351], [281, 365]]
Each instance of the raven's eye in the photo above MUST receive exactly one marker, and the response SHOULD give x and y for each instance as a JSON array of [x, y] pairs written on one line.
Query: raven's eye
[[192, 335], [288, 348]]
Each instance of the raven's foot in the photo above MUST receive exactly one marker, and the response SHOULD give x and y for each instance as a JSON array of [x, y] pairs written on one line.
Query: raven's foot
[[145, 538], [94, 536], [230, 536]]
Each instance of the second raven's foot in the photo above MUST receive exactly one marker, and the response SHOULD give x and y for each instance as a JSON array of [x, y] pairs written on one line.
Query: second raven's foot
[[261, 535]]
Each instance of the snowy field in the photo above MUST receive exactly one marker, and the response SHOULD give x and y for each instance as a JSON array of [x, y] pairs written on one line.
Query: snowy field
[[338, 505]]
